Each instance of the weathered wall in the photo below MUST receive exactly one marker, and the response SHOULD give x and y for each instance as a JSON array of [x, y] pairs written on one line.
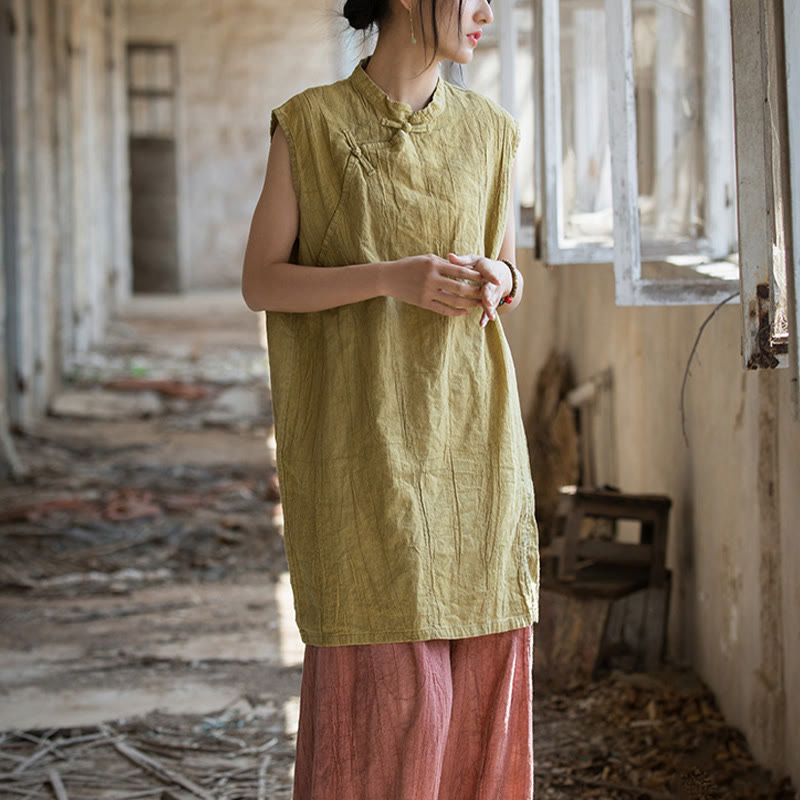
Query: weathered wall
[[237, 60], [734, 545], [68, 153]]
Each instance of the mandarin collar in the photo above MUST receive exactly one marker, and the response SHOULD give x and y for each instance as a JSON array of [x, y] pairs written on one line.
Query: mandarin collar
[[392, 112]]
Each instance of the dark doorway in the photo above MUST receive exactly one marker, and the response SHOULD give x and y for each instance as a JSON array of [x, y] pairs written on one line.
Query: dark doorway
[[152, 87]]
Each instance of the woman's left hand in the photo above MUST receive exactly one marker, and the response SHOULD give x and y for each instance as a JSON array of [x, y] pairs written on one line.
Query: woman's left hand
[[496, 282]]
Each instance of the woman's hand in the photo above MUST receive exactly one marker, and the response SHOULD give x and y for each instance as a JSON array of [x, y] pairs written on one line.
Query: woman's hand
[[496, 282], [434, 283]]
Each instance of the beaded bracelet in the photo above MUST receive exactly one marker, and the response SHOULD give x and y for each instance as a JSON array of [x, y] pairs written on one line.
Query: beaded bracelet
[[513, 293]]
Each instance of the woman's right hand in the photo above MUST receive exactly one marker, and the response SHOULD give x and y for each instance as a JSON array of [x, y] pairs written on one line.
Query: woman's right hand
[[434, 283]]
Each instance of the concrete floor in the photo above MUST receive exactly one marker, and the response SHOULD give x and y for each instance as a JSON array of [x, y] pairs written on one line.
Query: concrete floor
[[78, 658]]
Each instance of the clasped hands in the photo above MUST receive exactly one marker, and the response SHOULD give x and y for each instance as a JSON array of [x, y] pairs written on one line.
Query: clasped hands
[[494, 279], [451, 286]]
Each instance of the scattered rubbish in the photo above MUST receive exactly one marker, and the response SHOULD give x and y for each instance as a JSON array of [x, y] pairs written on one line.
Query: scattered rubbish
[[173, 756], [648, 736]]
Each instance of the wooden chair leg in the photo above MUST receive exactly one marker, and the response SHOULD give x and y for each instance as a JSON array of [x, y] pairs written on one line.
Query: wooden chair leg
[[572, 531], [655, 623]]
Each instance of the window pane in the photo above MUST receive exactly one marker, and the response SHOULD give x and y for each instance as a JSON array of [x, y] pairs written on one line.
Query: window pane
[[668, 86], [586, 200], [161, 76], [668, 76], [151, 90], [139, 72]]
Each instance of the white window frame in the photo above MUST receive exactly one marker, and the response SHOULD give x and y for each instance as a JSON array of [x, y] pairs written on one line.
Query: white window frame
[[756, 149], [751, 181], [631, 287], [627, 251]]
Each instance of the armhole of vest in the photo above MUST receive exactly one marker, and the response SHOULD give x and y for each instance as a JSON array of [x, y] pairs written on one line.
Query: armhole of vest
[[514, 137], [284, 115], [508, 147]]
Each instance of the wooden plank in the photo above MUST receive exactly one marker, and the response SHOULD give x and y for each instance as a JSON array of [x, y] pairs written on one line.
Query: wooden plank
[[703, 291], [572, 531], [622, 506], [658, 570], [655, 624], [568, 637], [622, 133], [755, 195], [615, 552]]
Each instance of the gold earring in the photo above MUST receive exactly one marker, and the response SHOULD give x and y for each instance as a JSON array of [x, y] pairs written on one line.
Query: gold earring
[[411, 20]]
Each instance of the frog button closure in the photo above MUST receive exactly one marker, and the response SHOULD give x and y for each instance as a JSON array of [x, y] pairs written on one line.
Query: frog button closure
[[358, 152], [404, 129], [406, 126]]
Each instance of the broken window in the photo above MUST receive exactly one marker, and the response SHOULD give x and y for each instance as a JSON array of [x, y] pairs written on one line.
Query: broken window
[[628, 107], [637, 144]]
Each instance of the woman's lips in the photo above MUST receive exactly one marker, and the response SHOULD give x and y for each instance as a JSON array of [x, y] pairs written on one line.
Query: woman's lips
[[474, 36]]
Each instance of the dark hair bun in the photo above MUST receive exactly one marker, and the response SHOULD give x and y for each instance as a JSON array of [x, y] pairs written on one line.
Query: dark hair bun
[[363, 13]]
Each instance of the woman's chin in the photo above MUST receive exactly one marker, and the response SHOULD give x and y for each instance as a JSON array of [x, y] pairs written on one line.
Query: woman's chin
[[462, 57]]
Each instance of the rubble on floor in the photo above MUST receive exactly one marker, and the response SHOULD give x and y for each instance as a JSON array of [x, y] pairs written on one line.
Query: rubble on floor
[[622, 737], [116, 521], [634, 736], [90, 516], [241, 752]]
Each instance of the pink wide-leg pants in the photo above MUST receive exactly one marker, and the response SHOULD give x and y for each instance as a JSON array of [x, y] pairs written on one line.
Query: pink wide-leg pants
[[445, 719]]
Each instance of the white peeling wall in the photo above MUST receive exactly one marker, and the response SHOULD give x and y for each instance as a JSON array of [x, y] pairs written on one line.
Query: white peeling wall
[[69, 159], [734, 538], [237, 60]]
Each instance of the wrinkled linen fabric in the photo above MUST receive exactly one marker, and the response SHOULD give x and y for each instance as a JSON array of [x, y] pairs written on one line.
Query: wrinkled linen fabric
[[435, 720], [405, 477]]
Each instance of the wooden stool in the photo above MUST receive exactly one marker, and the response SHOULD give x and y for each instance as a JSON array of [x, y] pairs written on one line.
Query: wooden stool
[[584, 578]]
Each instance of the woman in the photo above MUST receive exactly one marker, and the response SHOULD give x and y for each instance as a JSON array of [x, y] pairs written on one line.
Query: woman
[[382, 250]]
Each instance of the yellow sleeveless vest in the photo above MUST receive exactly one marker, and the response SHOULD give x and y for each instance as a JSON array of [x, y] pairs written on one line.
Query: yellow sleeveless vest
[[405, 480]]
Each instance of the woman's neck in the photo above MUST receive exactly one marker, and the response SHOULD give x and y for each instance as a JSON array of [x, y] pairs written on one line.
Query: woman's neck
[[399, 69]]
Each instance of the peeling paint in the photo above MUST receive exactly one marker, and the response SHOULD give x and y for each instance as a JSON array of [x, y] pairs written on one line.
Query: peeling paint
[[768, 705]]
